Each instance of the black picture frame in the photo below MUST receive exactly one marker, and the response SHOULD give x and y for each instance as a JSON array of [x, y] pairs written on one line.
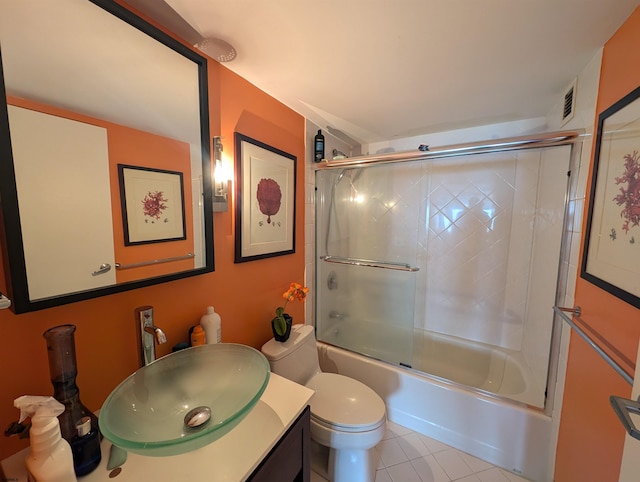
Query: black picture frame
[[152, 202], [611, 254], [265, 200]]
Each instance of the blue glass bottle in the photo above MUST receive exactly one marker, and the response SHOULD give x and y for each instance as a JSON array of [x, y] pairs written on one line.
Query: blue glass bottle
[[85, 447], [84, 438]]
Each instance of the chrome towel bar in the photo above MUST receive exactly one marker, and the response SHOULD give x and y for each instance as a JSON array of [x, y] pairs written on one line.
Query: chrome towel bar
[[154, 261], [623, 407], [369, 263], [612, 363]]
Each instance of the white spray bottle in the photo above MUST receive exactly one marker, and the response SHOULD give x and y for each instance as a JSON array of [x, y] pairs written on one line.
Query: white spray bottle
[[50, 459]]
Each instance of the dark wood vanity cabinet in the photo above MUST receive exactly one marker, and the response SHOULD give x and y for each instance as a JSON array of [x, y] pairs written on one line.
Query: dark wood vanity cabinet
[[289, 460]]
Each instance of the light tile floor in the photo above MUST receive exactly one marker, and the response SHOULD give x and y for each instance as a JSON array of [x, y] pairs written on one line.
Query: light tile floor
[[407, 456]]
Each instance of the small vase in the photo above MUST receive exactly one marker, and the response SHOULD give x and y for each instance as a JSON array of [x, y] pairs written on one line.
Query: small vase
[[289, 321]]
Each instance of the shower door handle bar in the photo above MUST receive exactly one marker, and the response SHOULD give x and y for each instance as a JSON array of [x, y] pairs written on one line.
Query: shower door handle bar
[[610, 361], [370, 263]]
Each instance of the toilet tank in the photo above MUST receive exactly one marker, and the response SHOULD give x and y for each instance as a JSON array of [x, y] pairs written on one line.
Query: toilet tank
[[296, 358]]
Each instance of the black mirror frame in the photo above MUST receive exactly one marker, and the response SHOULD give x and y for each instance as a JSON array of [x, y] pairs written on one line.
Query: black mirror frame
[[10, 230]]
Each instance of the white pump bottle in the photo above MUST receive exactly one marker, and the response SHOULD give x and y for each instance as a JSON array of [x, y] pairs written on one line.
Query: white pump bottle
[[50, 459]]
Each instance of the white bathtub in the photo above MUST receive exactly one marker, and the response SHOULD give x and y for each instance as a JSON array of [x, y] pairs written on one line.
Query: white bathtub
[[489, 368], [504, 433], [469, 363]]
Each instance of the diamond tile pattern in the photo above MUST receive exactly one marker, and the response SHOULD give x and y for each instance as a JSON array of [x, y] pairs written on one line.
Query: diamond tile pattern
[[382, 207], [469, 221]]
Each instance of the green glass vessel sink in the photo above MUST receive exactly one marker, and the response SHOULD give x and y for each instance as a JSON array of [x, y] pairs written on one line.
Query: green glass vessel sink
[[184, 400]]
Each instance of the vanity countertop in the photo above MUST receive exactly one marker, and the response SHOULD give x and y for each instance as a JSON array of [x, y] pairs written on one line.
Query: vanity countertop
[[231, 458]]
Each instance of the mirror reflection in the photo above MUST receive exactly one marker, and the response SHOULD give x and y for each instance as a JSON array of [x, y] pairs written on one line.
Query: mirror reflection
[[105, 175]]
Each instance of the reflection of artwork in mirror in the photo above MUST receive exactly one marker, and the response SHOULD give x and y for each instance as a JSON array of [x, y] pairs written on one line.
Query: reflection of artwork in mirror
[[611, 257], [152, 205], [265, 210]]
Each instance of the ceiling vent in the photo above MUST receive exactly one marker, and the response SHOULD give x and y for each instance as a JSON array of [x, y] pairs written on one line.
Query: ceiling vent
[[569, 102]]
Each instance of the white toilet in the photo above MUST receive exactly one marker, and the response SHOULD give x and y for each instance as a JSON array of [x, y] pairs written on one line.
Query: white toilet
[[347, 417]]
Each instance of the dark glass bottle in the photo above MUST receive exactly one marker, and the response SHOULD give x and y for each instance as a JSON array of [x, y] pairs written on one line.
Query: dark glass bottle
[[83, 435]]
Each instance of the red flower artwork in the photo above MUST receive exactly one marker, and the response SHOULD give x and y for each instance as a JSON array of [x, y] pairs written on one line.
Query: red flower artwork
[[629, 196], [153, 204], [269, 196]]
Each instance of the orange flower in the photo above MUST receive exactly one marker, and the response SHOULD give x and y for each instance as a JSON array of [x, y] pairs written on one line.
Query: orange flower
[[295, 292]]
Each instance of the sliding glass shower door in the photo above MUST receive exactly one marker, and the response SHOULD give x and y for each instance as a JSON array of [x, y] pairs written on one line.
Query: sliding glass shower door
[[447, 266], [367, 245]]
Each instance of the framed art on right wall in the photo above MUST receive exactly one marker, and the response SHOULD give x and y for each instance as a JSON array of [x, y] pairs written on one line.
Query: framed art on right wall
[[611, 256]]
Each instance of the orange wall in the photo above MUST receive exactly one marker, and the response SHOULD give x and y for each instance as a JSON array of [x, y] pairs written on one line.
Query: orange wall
[[245, 295], [591, 437]]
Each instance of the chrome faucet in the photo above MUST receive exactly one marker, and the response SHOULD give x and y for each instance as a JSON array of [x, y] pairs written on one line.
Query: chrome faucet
[[149, 334]]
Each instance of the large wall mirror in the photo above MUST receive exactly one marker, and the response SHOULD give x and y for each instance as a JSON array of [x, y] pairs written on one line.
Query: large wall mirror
[[105, 173]]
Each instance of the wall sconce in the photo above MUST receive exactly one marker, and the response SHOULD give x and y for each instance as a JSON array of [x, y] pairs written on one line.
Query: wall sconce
[[220, 181]]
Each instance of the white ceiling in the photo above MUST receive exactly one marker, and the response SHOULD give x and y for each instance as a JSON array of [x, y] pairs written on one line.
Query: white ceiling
[[102, 76], [385, 69]]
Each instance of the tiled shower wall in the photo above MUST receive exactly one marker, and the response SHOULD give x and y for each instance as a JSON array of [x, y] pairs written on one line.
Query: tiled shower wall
[[484, 218], [470, 213], [493, 237]]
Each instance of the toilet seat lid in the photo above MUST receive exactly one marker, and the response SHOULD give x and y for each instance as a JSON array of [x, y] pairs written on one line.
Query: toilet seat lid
[[344, 402]]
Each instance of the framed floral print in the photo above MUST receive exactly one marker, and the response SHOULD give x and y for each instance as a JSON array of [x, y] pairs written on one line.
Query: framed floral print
[[611, 255], [265, 200], [152, 203]]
